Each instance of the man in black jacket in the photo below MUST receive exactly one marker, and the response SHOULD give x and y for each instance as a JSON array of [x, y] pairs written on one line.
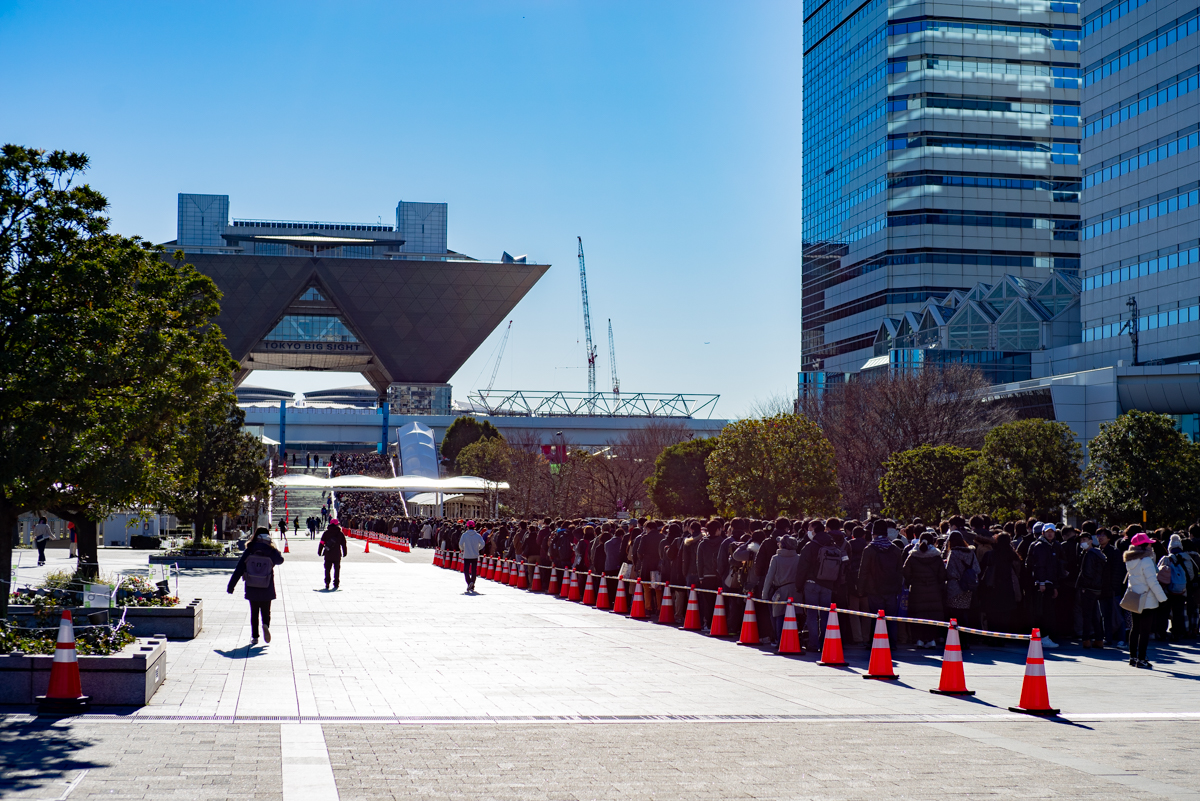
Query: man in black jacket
[[650, 570], [1088, 584], [333, 545], [706, 568], [881, 574], [1045, 571]]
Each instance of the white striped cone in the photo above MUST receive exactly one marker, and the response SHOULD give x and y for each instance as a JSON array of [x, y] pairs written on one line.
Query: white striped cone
[[1035, 696]]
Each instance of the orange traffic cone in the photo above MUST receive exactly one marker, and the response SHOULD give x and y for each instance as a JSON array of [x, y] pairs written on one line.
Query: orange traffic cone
[[522, 578], [553, 588], [489, 570], [573, 593], [831, 653], [64, 694], [589, 590], [437, 558], [638, 610], [666, 609], [720, 622], [691, 615], [286, 549], [621, 602], [1035, 696], [564, 591], [880, 666], [537, 579], [953, 682], [510, 573], [602, 594], [749, 624], [789, 640]]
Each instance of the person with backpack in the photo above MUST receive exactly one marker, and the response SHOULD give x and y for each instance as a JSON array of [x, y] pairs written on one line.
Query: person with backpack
[[820, 571], [1089, 583], [333, 546], [1180, 572], [257, 566], [962, 577]]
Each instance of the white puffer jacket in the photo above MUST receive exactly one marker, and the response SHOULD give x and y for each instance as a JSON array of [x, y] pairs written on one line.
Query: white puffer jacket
[[1143, 576]]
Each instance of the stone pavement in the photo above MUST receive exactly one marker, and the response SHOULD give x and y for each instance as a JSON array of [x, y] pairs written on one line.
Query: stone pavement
[[401, 686]]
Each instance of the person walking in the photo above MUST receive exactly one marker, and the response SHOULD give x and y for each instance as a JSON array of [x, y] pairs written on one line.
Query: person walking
[[41, 536], [333, 546], [72, 539], [1143, 596], [469, 544], [257, 566]]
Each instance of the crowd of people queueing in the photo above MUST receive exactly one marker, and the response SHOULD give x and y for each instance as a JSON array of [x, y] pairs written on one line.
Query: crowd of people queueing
[[1098, 586]]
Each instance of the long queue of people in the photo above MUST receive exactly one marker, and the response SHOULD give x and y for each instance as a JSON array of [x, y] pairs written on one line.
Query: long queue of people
[[1094, 585]]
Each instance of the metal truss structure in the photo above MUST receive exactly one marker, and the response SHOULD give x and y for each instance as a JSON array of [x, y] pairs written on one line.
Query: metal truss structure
[[526, 403]]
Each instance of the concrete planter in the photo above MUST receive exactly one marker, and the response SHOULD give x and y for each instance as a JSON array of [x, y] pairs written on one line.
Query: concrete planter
[[128, 678], [172, 622], [196, 561]]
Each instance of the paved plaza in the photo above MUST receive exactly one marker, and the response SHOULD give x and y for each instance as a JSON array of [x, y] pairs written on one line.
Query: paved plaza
[[400, 685]]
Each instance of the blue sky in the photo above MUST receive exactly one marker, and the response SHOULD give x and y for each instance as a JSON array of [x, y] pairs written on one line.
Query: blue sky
[[666, 134]]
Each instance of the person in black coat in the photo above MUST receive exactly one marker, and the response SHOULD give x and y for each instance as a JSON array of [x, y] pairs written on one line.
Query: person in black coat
[[333, 547], [260, 597]]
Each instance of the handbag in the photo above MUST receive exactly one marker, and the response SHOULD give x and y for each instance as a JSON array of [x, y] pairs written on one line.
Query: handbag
[[625, 571], [1133, 601]]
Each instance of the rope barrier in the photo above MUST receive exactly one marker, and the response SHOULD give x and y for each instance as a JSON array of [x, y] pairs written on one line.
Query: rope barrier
[[588, 575]]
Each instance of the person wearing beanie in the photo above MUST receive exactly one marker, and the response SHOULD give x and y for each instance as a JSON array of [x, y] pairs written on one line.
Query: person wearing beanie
[[333, 546], [1144, 595], [257, 566], [1183, 575]]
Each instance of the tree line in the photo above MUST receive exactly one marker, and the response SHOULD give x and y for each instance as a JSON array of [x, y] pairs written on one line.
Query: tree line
[[115, 385]]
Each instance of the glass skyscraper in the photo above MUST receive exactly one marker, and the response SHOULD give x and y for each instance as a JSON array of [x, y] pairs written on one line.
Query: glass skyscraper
[[941, 150], [1141, 177]]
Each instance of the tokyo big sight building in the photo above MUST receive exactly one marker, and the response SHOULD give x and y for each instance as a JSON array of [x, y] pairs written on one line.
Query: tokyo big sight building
[[1012, 185]]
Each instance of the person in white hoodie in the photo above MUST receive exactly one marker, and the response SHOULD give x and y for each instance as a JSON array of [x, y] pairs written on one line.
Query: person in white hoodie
[[470, 544], [1144, 595]]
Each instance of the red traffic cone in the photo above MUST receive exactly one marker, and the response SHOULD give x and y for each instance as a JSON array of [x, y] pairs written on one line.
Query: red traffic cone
[[638, 610], [953, 682], [602, 594], [537, 579], [789, 640], [880, 666], [831, 653], [720, 622], [489, 568], [666, 609], [589, 590], [1035, 696], [510, 576], [573, 593], [64, 694], [553, 588], [749, 624], [621, 602], [522, 578], [437, 558], [564, 591], [691, 615], [286, 549]]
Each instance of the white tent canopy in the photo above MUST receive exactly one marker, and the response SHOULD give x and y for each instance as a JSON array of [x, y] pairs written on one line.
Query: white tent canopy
[[457, 484]]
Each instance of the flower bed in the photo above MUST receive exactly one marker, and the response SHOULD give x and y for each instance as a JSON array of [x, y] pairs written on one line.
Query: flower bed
[[89, 640]]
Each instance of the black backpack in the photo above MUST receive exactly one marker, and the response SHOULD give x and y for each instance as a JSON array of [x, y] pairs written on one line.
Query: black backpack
[[829, 564], [258, 571]]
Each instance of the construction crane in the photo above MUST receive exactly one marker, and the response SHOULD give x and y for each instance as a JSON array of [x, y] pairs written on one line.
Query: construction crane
[[612, 360], [500, 355], [587, 323]]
